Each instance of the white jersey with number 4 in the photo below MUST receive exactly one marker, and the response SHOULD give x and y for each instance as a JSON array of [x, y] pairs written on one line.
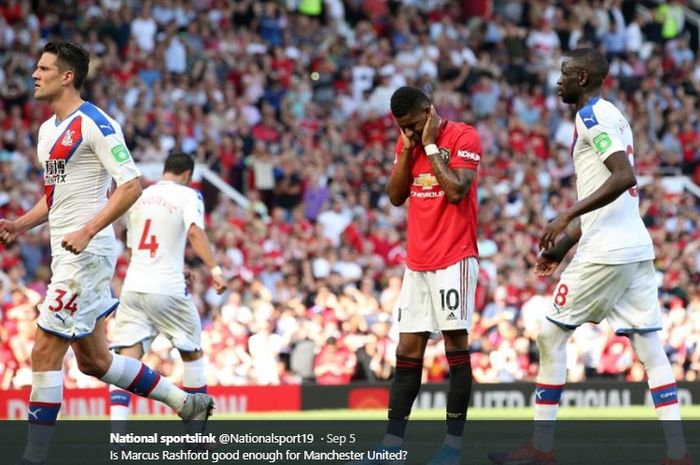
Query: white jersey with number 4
[[157, 226], [614, 234], [80, 156]]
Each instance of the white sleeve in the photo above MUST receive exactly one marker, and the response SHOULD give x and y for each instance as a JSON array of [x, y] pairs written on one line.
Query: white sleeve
[[601, 130], [112, 152], [193, 212]]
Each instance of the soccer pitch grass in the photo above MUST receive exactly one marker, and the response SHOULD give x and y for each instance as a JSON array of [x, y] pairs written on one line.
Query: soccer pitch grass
[[636, 412]]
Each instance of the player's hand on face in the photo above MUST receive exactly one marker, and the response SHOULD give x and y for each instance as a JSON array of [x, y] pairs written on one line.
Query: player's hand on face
[[431, 130], [545, 266], [77, 241], [552, 231], [220, 284], [407, 143], [8, 231]]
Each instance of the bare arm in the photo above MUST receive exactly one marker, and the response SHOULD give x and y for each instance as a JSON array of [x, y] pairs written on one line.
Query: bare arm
[[39, 214], [621, 179], [455, 183], [548, 260], [399, 185], [120, 201], [202, 247]]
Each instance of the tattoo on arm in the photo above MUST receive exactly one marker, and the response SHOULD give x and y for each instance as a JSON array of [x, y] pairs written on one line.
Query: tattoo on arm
[[455, 183]]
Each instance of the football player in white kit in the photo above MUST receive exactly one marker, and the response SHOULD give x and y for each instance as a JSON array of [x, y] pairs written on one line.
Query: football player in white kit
[[154, 297], [81, 150], [611, 275]]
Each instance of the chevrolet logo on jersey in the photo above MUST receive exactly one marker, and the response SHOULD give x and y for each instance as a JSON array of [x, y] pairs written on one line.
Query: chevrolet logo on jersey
[[425, 181]]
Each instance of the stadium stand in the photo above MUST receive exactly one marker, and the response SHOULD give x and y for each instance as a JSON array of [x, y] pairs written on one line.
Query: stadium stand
[[290, 107]]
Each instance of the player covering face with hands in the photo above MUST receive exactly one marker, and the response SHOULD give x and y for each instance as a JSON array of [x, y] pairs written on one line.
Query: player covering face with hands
[[611, 276], [82, 151], [435, 170]]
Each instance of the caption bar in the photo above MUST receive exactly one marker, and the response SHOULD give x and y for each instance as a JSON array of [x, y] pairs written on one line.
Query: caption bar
[[216, 448]]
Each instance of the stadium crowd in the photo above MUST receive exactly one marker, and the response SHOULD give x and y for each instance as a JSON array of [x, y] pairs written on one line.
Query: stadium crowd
[[288, 102]]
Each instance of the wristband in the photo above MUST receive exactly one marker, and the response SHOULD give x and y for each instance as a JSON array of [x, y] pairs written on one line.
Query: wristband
[[216, 271], [431, 149]]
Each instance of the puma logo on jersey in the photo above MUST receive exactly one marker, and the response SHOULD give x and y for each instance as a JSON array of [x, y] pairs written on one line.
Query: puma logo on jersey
[[590, 120], [67, 140]]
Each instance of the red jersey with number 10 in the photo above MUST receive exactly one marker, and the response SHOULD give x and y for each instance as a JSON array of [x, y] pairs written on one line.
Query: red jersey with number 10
[[441, 233]]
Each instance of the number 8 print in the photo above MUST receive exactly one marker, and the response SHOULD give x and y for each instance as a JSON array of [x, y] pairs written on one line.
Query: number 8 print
[[560, 296]]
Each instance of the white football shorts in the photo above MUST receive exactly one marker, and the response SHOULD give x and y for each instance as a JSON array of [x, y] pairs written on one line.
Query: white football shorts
[[142, 316], [440, 300], [626, 295], [78, 295]]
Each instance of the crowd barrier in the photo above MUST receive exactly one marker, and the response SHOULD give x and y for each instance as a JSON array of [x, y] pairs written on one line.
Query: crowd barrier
[[92, 403]]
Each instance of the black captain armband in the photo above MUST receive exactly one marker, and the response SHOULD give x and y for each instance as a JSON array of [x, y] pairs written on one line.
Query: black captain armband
[[560, 249]]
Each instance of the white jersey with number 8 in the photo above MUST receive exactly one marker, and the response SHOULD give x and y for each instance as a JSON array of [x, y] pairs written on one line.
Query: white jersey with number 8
[[157, 228]]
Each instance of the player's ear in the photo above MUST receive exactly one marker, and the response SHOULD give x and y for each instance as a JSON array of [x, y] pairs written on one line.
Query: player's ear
[[68, 76], [583, 78]]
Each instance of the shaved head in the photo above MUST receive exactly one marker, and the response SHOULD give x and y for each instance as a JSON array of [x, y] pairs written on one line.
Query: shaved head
[[590, 60]]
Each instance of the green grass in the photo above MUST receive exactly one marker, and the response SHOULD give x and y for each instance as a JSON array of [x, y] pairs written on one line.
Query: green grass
[[617, 413]]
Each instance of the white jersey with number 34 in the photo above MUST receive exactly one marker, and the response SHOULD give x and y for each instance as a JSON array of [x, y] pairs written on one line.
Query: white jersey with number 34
[[157, 226], [613, 234]]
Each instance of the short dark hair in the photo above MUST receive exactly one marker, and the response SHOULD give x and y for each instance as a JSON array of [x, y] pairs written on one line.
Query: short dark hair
[[591, 60], [178, 163], [70, 56], [407, 100]]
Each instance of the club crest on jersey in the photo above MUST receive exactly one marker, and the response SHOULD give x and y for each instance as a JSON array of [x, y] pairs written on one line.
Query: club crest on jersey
[[54, 172], [67, 140]]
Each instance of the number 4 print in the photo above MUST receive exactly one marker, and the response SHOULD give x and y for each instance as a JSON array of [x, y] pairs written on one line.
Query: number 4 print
[[71, 305], [148, 242]]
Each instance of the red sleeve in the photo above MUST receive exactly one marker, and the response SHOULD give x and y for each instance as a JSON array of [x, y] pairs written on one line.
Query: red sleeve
[[467, 150]]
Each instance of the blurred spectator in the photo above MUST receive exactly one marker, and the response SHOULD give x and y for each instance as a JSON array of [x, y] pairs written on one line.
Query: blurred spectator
[[287, 102], [334, 364]]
